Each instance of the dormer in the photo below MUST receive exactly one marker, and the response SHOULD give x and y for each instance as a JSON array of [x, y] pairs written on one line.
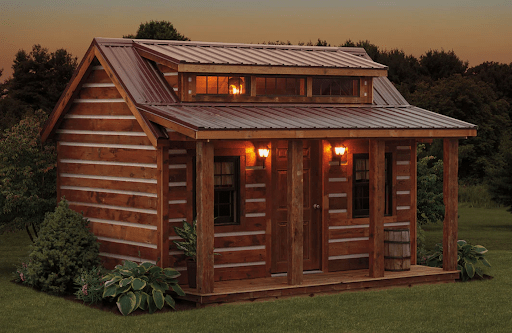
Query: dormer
[[251, 73]]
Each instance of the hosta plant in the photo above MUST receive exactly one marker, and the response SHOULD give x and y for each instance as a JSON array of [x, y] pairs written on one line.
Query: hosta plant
[[468, 259], [141, 286]]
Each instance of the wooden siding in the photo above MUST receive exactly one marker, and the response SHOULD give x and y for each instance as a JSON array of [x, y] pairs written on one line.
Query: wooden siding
[[171, 77], [107, 170], [242, 249], [348, 237]]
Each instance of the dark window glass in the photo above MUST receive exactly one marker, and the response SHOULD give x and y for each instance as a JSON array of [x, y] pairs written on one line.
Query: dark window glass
[[280, 86], [361, 186], [226, 190], [338, 86]]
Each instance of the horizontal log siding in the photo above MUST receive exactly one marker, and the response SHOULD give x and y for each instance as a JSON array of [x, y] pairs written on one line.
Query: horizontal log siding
[[107, 171], [241, 248], [348, 237], [171, 76]]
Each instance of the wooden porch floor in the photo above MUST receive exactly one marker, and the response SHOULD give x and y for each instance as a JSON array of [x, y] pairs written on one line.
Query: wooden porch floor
[[315, 284]]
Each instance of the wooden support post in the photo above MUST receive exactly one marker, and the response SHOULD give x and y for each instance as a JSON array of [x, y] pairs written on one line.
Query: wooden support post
[[450, 193], [162, 214], [377, 197], [413, 227], [204, 208], [295, 211]]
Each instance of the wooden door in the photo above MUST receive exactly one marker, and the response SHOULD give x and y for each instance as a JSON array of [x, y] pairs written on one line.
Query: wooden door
[[312, 197]]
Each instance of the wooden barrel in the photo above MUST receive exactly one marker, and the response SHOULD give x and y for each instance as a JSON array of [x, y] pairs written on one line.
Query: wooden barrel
[[397, 250]]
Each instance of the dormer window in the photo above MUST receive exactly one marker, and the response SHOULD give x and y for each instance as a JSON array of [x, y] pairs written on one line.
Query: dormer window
[[280, 86], [336, 86], [222, 85]]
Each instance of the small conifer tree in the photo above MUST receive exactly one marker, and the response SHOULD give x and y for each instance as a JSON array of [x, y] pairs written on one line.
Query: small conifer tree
[[64, 248]]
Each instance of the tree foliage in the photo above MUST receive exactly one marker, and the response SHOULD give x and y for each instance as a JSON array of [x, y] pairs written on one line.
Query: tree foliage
[[27, 175], [500, 175], [430, 205], [157, 30], [467, 99], [38, 80], [65, 247]]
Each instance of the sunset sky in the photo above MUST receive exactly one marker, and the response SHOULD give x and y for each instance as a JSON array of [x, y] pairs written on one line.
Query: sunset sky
[[477, 31]]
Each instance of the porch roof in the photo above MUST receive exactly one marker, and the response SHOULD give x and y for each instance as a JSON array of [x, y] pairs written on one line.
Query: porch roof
[[228, 121]]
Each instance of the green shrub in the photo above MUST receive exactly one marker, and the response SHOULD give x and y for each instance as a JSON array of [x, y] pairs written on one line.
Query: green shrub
[[64, 248], [141, 286], [476, 196], [468, 257], [430, 205], [189, 235], [89, 287]]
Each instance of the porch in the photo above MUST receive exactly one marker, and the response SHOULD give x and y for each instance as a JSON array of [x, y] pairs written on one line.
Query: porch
[[316, 284]]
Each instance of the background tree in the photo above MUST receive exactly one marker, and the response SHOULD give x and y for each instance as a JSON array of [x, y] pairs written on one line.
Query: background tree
[[157, 30], [500, 175], [27, 176], [467, 99], [39, 77], [441, 64]]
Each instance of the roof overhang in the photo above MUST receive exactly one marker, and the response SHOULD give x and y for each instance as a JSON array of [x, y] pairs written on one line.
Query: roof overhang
[[187, 125]]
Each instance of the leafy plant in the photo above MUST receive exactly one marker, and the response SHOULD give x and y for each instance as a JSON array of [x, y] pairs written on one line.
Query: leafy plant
[[64, 248], [189, 235], [430, 188], [468, 257], [141, 286], [27, 176], [89, 287]]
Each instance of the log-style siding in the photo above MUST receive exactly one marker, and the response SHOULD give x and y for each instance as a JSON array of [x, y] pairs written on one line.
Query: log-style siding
[[348, 237], [241, 248], [107, 170]]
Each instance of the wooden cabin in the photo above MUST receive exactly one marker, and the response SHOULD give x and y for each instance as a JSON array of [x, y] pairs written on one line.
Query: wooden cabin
[[293, 159]]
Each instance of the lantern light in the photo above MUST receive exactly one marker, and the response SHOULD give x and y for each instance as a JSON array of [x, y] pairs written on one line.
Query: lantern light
[[340, 150], [263, 152]]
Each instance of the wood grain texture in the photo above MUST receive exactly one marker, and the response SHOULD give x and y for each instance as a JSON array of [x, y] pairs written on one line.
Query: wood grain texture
[[163, 203], [377, 186], [450, 196], [295, 212], [205, 225]]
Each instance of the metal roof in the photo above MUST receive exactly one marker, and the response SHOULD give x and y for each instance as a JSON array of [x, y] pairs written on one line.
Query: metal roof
[[139, 77], [278, 117], [258, 54]]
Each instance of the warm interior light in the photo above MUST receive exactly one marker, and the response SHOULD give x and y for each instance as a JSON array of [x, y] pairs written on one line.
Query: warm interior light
[[263, 152], [234, 90], [339, 150]]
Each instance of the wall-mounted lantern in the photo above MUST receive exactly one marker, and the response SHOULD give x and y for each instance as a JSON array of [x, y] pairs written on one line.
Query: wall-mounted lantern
[[263, 154], [340, 154]]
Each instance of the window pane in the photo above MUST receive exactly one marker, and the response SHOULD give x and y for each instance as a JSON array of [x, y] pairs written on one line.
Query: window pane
[[271, 85], [201, 85], [281, 86], [317, 84], [260, 86], [291, 86], [212, 85], [223, 85]]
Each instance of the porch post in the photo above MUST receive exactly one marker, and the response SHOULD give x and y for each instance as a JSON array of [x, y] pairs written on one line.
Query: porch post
[[450, 194], [295, 212], [377, 197], [162, 159], [204, 207]]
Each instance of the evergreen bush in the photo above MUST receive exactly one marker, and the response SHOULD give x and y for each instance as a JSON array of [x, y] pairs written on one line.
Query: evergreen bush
[[65, 247]]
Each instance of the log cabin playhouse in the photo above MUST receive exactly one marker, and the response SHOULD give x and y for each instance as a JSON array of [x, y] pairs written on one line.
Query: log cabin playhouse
[[293, 159]]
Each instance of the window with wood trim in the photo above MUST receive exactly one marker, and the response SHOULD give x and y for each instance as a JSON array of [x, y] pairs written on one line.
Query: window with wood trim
[[361, 185], [336, 86], [227, 190], [223, 85], [280, 86]]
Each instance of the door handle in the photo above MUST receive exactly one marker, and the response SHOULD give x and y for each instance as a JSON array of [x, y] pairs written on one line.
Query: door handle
[[316, 206]]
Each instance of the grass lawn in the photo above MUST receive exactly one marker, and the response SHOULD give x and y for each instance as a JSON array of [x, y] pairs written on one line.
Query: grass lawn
[[480, 306]]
